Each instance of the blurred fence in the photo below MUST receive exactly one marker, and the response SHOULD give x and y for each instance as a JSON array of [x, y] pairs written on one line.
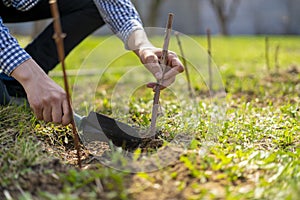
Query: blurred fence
[[195, 16]]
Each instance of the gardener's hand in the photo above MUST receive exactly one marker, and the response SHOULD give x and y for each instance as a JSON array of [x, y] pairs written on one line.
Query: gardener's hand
[[151, 58], [47, 100]]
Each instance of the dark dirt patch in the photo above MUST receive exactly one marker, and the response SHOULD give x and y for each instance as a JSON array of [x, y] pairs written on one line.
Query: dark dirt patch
[[289, 76], [151, 144], [294, 69], [45, 181], [39, 178]]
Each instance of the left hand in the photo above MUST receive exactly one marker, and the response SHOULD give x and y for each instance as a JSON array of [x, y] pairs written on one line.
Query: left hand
[[151, 58]]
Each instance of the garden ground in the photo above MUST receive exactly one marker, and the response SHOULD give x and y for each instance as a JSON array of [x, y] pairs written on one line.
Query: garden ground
[[254, 156]]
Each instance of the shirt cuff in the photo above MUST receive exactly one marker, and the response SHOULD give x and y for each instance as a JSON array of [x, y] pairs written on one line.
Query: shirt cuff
[[11, 57], [128, 29]]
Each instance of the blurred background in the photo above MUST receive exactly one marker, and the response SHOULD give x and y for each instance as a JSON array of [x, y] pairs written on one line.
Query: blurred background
[[224, 17]]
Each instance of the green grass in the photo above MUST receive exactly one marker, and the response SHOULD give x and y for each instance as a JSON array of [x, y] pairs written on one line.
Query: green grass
[[245, 146]]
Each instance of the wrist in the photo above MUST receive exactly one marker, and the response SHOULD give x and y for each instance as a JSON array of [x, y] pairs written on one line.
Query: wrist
[[27, 72], [138, 40]]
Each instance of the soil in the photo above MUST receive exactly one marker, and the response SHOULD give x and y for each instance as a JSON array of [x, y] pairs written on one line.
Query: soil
[[44, 177], [288, 76], [39, 178]]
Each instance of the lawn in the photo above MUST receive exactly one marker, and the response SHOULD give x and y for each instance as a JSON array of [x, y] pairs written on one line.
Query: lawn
[[242, 145]]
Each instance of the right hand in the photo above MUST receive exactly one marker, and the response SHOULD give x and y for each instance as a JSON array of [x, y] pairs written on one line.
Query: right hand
[[150, 58], [47, 99]]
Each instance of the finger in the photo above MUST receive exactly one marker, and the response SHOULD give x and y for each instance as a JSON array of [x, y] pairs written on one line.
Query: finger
[[176, 67], [57, 111], [151, 85], [167, 82], [39, 114], [47, 114], [171, 56], [171, 73], [154, 85], [150, 60], [155, 69], [37, 109], [66, 117]]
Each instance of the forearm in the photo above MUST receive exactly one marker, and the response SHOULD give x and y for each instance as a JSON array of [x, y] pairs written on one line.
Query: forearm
[[138, 40], [27, 72]]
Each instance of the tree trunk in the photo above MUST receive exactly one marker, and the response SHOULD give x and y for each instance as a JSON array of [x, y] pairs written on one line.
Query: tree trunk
[[224, 17], [223, 25], [153, 12]]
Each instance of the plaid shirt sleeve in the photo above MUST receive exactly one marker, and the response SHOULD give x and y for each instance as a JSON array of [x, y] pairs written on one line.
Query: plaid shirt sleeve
[[121, 16], [11, 54], [21, 5]]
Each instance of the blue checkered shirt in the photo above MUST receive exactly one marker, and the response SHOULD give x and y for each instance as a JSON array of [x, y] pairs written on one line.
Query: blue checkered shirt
[[120, 15]]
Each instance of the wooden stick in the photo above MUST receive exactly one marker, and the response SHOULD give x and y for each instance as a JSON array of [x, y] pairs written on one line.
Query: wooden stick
[[58, 37], [185, 65], [267, 53], [210, 80], [276, 58], [163, 65]]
